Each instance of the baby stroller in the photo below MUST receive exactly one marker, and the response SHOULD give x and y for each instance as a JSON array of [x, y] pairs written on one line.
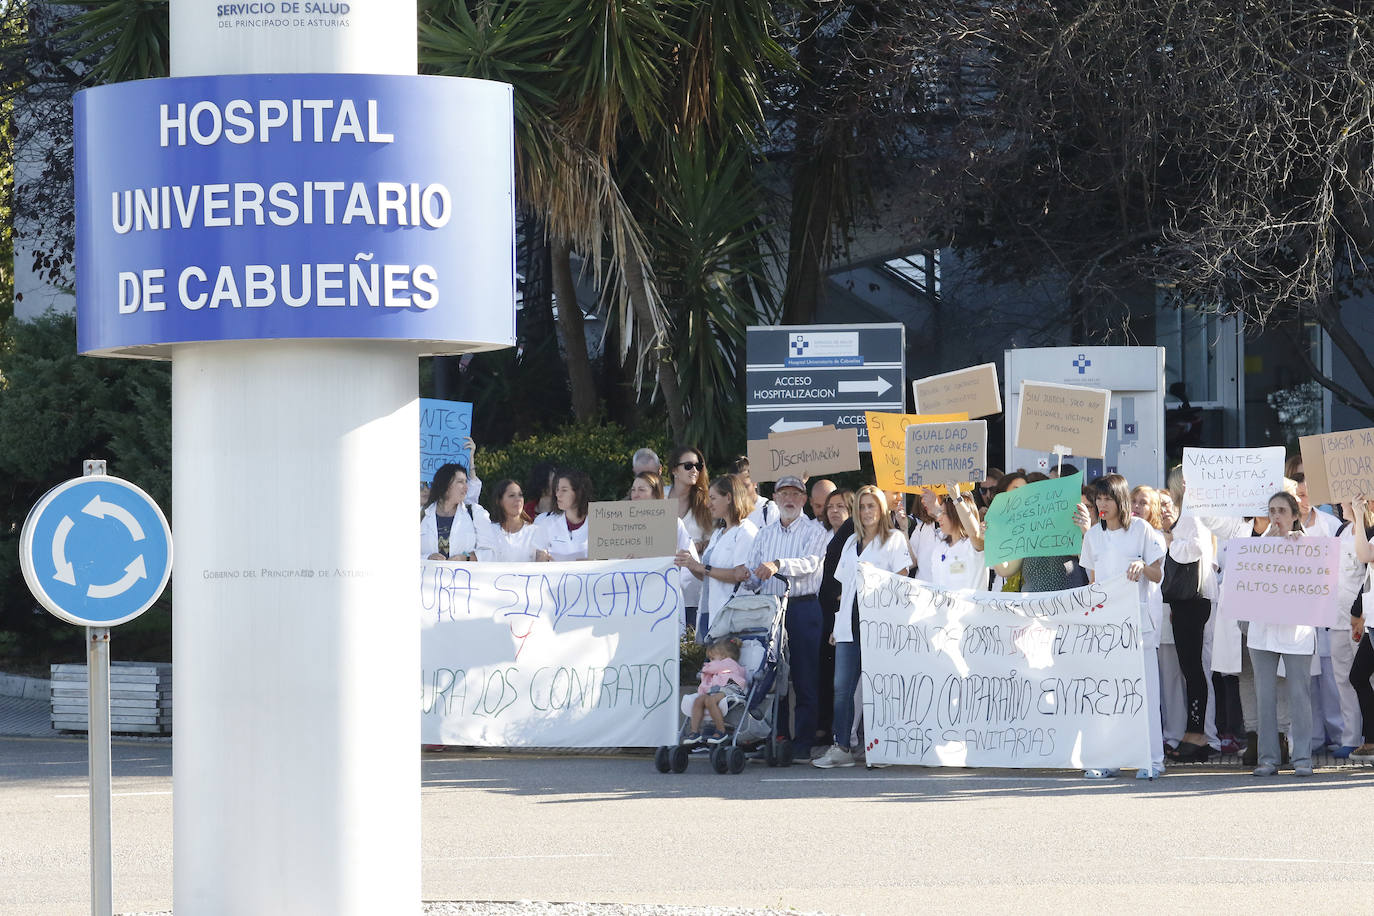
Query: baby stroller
[[759, 623]]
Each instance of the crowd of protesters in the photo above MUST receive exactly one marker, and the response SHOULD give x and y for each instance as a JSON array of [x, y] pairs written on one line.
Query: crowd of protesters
[[1273, 694]]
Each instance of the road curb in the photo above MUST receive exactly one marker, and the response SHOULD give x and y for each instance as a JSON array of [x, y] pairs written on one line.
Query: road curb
[[28, 688]]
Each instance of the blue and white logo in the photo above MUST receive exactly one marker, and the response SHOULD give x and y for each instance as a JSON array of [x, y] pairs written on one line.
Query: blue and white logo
[[1082, 363], [96, 551]]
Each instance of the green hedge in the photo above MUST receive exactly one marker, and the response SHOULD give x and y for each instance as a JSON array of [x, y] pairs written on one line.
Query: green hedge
[[602, 450]]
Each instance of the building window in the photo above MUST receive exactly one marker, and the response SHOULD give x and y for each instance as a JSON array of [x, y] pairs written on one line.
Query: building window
[[919, 270]]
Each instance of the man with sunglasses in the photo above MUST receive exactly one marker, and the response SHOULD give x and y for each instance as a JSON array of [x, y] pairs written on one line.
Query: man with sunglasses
[[988, 488]]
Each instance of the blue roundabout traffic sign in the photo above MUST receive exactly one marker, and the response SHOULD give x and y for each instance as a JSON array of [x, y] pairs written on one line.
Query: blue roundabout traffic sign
[[96, 551]]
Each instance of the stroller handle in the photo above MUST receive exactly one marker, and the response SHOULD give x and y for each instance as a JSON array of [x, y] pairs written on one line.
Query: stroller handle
[[786, 583]]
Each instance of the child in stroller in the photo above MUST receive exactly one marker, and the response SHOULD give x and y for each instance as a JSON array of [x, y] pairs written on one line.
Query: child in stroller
[[721, 677]]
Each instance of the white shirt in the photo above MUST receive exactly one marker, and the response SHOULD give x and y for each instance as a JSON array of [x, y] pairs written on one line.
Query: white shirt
[[1109, 553], [1354, 575], [469, 534], [1322, 525], [564, 544], [799, 549], [957, 566], [892, 554], [925, 537], [729, 547], [520, 546], [1283, 638], [765, 512]]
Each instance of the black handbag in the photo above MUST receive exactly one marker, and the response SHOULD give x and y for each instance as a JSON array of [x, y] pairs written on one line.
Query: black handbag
[[1182, 581]]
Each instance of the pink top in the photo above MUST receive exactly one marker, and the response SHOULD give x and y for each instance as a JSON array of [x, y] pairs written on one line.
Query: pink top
[[721, 672]]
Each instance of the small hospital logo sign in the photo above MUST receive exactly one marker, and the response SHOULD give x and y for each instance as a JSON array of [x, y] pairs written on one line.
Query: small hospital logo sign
[[823, 348], [799, 345], [1082, 363]]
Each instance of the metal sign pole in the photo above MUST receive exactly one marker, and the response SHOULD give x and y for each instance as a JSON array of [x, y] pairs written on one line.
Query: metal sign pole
[[98, 740], [98, 750]]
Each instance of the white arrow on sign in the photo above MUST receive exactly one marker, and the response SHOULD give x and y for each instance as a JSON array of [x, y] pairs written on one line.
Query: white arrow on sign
[[783, 425], [65, 572], [878, 385], [101, 509], [132, 573]]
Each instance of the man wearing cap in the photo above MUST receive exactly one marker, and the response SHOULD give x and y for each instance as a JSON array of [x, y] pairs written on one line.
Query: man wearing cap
[[793, 545]]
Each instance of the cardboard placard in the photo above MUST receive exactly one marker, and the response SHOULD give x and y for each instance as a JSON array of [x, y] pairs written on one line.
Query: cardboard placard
[[973, 391], [1034, 521], [939, 453], [1063, 418], [1231, 482], [887, 439], [1278, 580], [632, 528], [1338, 466], [804, 453]]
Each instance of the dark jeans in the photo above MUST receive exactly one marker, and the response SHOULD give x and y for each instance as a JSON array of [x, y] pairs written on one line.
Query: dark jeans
[[848, 666], [1360, 672], [804, 655], [1190, 619], [1229, 716], [825, 679]]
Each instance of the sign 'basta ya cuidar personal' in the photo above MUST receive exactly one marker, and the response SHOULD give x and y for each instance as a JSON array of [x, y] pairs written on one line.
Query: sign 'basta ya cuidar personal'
[[1339, 466]]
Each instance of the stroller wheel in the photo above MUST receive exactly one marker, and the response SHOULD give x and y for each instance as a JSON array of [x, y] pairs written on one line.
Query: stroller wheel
[[718, 759], [678, 759], [784, 752], [661, 761], [734, 758]]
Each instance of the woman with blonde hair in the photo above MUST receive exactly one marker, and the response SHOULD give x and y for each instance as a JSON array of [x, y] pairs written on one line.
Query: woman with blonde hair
[[724, 564], [874, 541]]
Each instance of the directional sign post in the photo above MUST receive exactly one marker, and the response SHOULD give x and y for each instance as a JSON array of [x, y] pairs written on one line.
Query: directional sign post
[[96, 551], [807, 376]]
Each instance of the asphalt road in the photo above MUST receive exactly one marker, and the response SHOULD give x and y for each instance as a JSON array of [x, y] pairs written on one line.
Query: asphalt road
[[897, 840]]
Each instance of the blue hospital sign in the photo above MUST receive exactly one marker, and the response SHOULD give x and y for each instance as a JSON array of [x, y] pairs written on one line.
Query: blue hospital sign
[[96, 551], [290, 206]]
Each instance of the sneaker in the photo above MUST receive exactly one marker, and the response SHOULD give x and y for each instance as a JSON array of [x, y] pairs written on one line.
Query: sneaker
[[1363, 754], [835, 757], [1099, 773], [1229, 745], [1265, 771], [1150, 772], [1302, 771], [718, 738], [1343, 752], [692, 738]]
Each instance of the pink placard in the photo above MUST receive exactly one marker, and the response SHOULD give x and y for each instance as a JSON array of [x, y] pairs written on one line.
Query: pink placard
[[1278, 580]]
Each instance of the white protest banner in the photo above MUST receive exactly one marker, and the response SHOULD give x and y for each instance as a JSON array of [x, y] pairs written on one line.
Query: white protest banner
[[1067, 419], [990, 679], [1278, 580], [974, 391], [550, 654], [1231, 482], [938, 453], [632, 528]]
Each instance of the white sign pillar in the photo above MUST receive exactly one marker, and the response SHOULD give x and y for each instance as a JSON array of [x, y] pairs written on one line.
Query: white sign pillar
[[296, 757]]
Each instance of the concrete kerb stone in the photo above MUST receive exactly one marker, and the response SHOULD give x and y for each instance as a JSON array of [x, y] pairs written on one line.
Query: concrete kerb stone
[[26, 688]]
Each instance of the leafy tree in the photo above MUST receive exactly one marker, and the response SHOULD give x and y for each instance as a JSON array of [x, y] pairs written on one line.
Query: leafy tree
[[1222, 150]]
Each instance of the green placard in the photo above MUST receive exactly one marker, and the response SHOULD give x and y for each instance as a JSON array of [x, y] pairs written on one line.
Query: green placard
[[1034, 521]]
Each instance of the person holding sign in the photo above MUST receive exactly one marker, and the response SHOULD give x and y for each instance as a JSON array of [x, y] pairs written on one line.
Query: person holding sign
[[1353, 658], [515, 538], [566, 524], [957, 560], [1121, 544], [1296, 645], [446, 533], [724, 564], [648, 485], [793, 546], [874, 541]]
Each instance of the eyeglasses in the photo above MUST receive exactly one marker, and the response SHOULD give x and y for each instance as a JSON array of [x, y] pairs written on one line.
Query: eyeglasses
[[691, 465]]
